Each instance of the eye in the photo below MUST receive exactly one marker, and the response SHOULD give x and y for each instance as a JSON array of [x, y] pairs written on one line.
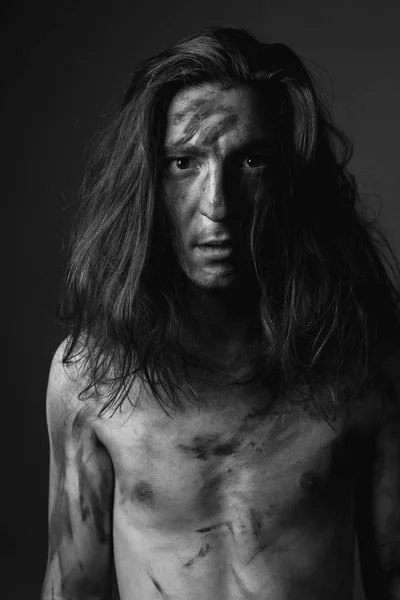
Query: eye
[[255, 161], [181, 163]]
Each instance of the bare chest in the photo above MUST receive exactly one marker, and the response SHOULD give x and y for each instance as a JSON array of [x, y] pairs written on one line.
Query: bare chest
[[244, 498], [201, 468]]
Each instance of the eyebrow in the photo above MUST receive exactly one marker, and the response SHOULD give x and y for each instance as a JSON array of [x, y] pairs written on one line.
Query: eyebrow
[[181, 147]]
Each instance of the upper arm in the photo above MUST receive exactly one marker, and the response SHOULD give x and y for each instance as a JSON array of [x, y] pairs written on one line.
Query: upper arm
[[378, 503], [80, 497]]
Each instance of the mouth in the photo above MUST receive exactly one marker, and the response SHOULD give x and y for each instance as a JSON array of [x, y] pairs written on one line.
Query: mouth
[[219, 243], [216, 245], [217, 250]]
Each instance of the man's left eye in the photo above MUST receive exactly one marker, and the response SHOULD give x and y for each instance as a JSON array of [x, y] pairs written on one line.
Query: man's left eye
[[255, 161]]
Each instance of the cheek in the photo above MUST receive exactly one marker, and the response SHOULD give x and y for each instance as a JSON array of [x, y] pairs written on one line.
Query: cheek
[[180, 200], [179, 215], [253, 187]]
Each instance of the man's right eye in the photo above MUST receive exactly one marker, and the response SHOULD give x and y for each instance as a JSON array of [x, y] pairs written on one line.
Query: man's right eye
[[180, 163]]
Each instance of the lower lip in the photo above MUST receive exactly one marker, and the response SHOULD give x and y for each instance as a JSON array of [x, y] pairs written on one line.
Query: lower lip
[[218, 252]]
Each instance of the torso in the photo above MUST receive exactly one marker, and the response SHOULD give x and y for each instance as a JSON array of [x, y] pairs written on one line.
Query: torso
[[247, 499]]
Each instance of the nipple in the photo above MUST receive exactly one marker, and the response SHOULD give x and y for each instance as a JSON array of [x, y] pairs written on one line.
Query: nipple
[[143, 492], [309, 481]]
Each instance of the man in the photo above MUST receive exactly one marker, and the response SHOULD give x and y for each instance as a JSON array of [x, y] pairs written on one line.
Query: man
[[221, 271]]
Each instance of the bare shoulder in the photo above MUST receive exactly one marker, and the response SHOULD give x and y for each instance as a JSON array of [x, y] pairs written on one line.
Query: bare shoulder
[[370, 409], [64, 386], [389, 394], [390, 405], [61, 377], [391, 363]]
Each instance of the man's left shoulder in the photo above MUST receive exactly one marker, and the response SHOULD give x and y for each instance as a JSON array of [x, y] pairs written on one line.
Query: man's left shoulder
[[391, 361], [374, 403], [386, 394], [390, 369]]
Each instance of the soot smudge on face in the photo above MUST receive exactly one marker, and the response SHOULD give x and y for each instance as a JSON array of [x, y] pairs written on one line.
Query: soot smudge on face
[[197, 112], [211, 136], [197, 107]]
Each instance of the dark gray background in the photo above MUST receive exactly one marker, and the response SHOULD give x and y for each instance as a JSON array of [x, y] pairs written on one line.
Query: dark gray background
[[66, 64]]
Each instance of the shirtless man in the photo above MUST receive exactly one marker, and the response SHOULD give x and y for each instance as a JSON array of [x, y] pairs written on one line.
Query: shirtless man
[[254, 490]]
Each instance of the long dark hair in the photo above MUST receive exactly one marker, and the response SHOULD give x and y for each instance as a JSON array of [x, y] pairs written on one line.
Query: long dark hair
[[327, 305]]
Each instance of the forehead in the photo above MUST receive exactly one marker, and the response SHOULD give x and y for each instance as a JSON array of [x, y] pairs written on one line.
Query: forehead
[[205, 113]]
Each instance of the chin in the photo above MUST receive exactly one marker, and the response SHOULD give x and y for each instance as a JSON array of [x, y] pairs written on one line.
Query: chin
[[219, 277], [221, 281]]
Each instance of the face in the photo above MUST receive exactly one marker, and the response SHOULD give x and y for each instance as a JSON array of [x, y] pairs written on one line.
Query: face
[[217, 152]]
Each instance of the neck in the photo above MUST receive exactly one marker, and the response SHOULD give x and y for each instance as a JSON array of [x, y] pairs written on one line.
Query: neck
[[217, 323]]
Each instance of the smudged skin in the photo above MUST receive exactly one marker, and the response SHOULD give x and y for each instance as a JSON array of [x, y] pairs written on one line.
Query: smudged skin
[[242, 527], [203, 447], [281, 524], [81, 502], [201, 553], [80, 499], [216, 165]]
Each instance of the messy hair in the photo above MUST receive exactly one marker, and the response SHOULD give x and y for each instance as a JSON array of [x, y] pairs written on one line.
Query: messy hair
[[327, 306]]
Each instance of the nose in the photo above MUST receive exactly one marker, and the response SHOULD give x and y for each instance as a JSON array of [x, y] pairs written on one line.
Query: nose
[[213, 201]]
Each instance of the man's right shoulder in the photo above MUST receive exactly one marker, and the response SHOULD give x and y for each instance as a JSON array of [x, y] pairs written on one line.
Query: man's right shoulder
[[64, 384]]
